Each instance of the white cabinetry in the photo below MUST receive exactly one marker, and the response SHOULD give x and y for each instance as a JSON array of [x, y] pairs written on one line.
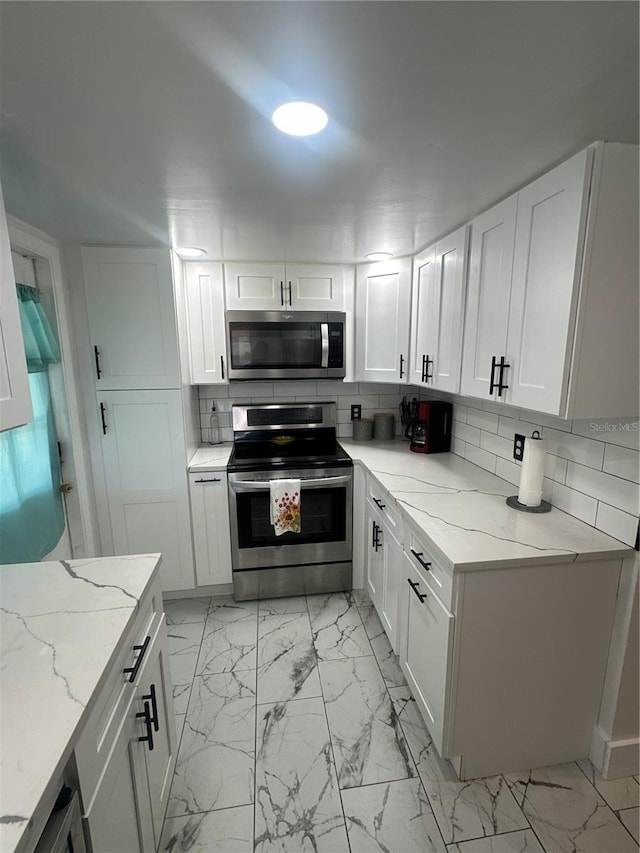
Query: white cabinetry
[[210, 522], [205, 312], [131, 315], [15, 397], [384, 558], [552, 286], [143, 449], [269, 287], [439, 279], [383, 297]]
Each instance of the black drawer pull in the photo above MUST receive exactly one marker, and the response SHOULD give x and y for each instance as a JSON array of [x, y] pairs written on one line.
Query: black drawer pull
[[418, 555], [133, 670], [151, 696], [148, 738], [210, 480], [414, 586], [378, 503]]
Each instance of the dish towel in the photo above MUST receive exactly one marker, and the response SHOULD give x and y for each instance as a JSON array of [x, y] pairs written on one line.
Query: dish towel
[[285, 506]]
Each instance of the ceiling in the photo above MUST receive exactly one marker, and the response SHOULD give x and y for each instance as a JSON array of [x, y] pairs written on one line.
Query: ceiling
[[149, 122]]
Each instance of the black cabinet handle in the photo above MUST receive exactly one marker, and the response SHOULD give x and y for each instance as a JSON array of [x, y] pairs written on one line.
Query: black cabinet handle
[[378, 503], [424, 369], [96, 355], [492, 382], [427, 375], [210, 480], [151, 696], [222, 366], [503, 366], [418, 555], [290, 293], [373, 534], [378, 543], [414, 586], [103, 418], [133, 670], [282, 293], [148, 738], [401, 365]]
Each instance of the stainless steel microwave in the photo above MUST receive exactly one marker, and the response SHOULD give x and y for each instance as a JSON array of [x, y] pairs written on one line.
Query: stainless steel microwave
[[285, 344]]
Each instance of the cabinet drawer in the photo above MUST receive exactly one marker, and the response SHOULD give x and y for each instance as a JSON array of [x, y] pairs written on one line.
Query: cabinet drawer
[[382, 500], [103, 723], [439, 577]]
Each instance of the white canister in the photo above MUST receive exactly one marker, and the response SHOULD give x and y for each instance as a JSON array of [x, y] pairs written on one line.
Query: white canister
[[532, 473]]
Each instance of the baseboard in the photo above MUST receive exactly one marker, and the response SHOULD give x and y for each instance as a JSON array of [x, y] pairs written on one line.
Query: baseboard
[[217, 589], [615, 758]]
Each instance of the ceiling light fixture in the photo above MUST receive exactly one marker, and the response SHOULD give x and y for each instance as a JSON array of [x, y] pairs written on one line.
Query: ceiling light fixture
[[378, 256], [300, 118], [190, 253]]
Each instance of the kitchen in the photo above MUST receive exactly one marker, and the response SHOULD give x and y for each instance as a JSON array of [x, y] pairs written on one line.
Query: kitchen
[[141, 372]]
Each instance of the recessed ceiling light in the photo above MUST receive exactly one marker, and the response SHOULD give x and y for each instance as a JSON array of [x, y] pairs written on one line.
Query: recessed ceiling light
[[378, 256], [190, 253], [300, 118]]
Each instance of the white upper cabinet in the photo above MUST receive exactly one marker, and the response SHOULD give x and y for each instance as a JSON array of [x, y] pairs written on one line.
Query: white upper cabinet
[[15, 397], [131, 316], [383, 296], [205, 313], [437, 313], [552, 306], [271, 287]]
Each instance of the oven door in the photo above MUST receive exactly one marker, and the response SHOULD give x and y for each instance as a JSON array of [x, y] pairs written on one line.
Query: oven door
[[325, 514]]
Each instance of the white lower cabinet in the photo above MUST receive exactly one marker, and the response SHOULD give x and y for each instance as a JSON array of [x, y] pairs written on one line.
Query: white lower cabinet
[[384, 561], [210, 524]]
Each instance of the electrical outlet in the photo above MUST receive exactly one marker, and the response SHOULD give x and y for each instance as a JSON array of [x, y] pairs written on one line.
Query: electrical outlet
[[518, 447], [356, 412]]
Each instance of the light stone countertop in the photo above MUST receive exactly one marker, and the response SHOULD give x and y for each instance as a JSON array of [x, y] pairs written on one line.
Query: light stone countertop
[[462, 510], [210, 457], [61, 624]]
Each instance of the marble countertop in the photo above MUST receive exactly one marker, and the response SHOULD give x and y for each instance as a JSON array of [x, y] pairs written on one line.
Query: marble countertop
[[61, 624], [462, 510], [210, 457]]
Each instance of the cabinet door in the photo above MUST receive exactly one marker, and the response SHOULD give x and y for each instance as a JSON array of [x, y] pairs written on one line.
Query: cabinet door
[[15, 397], [255, 287], [423, 307], [426, 650], [488, 292], [119, 815], [548, 251], [374, 559], [210, 522], [131, 316], [446, 323], [392, 572], [205, 313], [155, 691], [383, 296], [146, 480], [312, 287]]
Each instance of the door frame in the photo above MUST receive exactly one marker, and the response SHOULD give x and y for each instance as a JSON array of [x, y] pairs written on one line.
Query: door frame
[[31, 241]]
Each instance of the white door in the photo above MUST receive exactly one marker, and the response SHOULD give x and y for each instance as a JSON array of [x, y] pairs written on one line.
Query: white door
[[255, 287], [423, 307], [131, 316], [488, 294], [446, 323], [312, 287], [143, 456], [210, 520], [205, 317], [549, 242], [383, 298]]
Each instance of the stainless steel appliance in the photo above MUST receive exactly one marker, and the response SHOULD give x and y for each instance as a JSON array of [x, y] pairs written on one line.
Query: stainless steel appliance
[[289, 441], [285, 344]]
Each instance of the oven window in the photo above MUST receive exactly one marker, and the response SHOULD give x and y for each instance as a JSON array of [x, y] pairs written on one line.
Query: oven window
[[322, 514], [264, 345]]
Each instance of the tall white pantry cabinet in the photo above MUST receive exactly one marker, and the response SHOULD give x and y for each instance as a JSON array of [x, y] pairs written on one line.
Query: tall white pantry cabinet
[[138, 399]]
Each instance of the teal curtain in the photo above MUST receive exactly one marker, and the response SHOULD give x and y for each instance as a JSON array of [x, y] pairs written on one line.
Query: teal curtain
[[31, 508]]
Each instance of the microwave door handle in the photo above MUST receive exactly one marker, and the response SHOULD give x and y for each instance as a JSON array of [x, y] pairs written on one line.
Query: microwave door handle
[[311, 483], [324, 331]]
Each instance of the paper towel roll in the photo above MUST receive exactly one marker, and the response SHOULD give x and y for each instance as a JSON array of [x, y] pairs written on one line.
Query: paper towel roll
[[532, 473]]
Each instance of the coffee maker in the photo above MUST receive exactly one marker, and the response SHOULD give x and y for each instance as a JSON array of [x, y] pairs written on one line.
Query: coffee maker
[[430, 427]]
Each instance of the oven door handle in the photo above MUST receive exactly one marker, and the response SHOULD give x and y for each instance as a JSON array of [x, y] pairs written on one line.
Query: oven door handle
[[311, 483], [324, 332]]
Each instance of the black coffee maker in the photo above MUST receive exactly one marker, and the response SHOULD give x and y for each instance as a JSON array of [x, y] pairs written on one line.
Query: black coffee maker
[[429, 426]]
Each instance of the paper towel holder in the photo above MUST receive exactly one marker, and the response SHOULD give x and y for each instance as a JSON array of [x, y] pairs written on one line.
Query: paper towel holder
[[514, 502]]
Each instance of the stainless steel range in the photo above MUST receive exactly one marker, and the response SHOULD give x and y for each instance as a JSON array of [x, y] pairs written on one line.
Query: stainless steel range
[[289, 441]]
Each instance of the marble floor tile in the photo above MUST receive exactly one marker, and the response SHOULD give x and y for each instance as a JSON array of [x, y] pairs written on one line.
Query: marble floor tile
[[298, 807], [275, 606], [567, 813], [287, 665], [223, 831], [428, 762], [392, 816], [337, 627], [617, 793], [215, 763], [181, 697], [520, 841], [181, 610], [184, 647], [179, 718], [386, 657], [230, 641], [631, 819], [225, 609], [368, 743], [361, 598]]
